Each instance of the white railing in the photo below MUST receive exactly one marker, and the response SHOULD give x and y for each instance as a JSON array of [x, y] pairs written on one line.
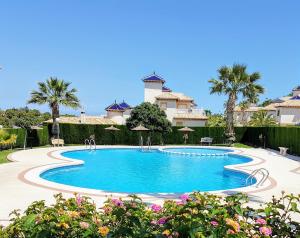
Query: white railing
[[264, 172], [192, 110], [90, 143]]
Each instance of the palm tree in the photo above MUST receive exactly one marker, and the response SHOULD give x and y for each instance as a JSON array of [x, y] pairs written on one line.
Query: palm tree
[[244, 105], [55, 92], [262, 118], [235, 81]]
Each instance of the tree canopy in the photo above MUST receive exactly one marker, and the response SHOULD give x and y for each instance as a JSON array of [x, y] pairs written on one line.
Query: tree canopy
[[234, 82], [262, 118], [150, 116], [215, 120], [22, 117], [55, 92]]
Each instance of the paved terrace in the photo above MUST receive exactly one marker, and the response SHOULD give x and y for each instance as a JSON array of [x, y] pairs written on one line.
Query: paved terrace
[[20, 183]]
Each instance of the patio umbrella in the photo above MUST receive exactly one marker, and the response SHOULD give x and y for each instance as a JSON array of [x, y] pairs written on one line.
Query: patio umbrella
[[112, 129], [185, 131], [140, 128]]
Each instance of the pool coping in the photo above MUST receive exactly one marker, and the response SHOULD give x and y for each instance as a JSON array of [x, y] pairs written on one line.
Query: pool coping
[[32, 175]]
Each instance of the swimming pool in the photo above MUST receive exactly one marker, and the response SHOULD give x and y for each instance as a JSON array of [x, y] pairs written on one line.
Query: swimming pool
[[135, 171]]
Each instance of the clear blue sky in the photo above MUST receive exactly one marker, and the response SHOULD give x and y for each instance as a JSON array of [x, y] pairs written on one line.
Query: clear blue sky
[[105, 47]]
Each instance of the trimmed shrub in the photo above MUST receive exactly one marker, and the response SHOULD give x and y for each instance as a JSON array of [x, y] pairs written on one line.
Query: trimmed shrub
[[273, 137], [38, 137]]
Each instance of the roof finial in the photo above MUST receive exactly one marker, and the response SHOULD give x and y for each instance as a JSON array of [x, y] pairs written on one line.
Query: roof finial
[[154, 72]]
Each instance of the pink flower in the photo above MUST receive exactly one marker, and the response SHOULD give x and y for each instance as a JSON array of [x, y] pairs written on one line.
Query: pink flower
[[162, 221], [180, 203], [78, 200], [266, 231], [156, 208], [84, 225], [214, 223], [107, 209], [230, 231], [184, 197], [117, 202], [153, 222], [261, 221]]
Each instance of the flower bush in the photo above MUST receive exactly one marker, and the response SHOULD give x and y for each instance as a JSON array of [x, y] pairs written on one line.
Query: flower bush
[[196, 215]]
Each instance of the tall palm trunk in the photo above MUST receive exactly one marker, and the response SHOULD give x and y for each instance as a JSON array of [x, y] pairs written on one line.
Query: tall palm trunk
[[229, 131], [55, 111], [55, 114]]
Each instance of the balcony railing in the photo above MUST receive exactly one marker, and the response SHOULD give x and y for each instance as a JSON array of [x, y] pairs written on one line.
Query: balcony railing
[[192, 110]]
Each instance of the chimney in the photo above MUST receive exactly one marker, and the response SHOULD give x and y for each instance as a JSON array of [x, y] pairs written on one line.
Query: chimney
[[82, 116]]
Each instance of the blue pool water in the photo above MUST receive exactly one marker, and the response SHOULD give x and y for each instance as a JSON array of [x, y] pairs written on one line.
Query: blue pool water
[[199, 150], [134, 171]]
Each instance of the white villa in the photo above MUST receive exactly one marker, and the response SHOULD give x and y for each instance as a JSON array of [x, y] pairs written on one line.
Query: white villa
[[180, 109], [286, 110]]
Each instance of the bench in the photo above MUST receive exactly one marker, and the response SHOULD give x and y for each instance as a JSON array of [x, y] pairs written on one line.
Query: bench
[[283, 150], [57, 142], [206, 140]]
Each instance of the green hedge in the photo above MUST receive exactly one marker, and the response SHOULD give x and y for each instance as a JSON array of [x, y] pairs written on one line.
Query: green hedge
[[77, 133], [36, 137], [274, 137]]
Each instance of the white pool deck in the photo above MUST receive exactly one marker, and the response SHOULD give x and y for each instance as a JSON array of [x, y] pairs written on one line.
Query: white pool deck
[[20, 183]]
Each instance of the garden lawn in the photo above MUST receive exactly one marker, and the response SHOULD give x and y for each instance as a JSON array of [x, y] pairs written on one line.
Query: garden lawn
[[4, 154]]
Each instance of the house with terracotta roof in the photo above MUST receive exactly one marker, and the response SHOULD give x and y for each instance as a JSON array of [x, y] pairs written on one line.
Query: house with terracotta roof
[[286, 110], [180, 109]]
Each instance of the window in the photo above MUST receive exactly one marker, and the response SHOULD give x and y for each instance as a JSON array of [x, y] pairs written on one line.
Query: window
[[182, 106], [278, 113], [163, 105]]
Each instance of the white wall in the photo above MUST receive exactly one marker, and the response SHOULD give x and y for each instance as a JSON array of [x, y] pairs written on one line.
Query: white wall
[[117, 117], [171, 108], [288, 115], [296, 92], [151, 90], [189, 123]]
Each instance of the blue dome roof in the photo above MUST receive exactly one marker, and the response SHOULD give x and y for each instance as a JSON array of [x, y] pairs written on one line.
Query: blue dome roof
[[114, 107], [166, 89], [153, 78], [296, 97], [124, 105]]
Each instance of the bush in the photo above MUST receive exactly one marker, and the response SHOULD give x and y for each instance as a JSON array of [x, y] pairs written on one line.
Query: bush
[[7, 140], [195, 215], [20, 133]]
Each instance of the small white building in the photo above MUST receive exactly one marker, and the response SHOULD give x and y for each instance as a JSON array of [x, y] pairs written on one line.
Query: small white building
[[285, 110], [180, 109], [118, 112]]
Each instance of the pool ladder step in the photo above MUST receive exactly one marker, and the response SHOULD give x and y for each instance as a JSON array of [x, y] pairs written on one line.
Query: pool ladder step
[[91, 143], [265, 174]]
